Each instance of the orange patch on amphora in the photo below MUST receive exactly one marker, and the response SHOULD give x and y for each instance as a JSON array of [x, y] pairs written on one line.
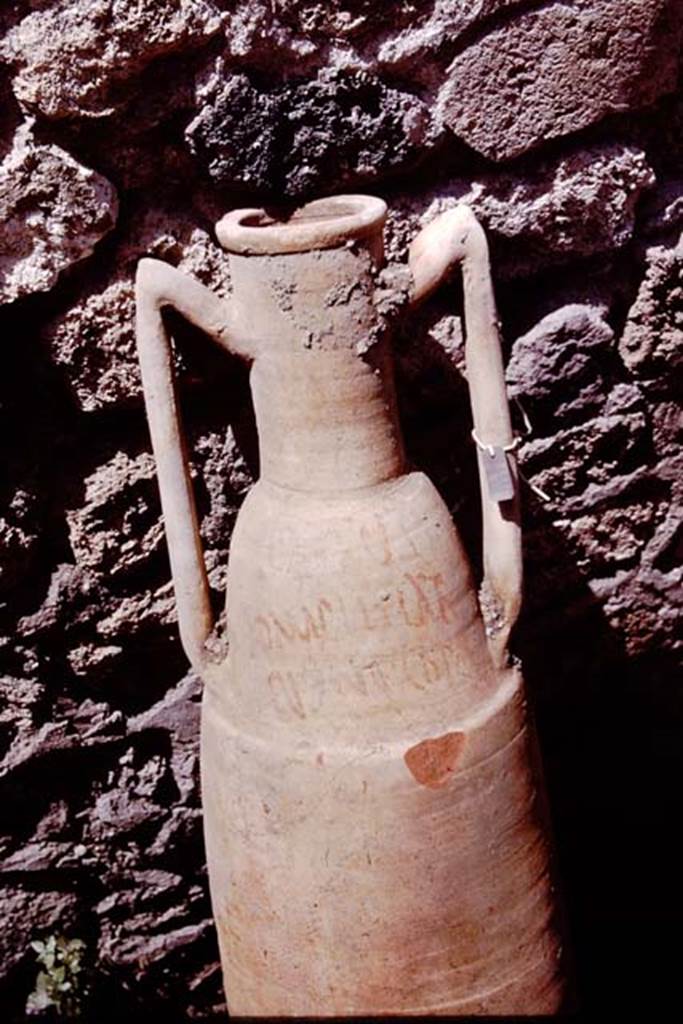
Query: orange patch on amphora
[[433, 761]]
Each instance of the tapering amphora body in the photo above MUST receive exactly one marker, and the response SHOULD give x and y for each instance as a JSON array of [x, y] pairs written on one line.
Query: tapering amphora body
[[373, 832]]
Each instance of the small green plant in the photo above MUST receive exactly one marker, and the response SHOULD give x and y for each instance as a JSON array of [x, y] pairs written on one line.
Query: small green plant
[[60, 987]]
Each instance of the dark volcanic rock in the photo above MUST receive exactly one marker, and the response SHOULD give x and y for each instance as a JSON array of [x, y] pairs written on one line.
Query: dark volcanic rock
[[594, 461], [19, 534], [296, 139], [28, 915], [653, 336], [557, 365]]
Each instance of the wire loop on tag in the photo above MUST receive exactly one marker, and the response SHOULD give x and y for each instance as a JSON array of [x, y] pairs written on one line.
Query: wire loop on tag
[[490, 449], [519, 439], [534, 487], [528, 429]]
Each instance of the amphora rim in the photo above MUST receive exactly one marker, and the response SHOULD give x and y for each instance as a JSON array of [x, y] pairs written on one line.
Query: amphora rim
[[321, 224]]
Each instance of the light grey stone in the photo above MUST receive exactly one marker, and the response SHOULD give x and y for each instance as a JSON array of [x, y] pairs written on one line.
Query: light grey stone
[[93, 340], [76, 58], [577, 205], [53, 211], [652, 339], [556, 69], [119, 526], [557, 363]]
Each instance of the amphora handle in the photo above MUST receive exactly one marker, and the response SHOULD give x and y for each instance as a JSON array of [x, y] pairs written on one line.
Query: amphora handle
[[457, 237], [157, 285]]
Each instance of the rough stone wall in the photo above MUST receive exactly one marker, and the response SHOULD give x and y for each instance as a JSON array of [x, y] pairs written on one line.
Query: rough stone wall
[[126, 128]]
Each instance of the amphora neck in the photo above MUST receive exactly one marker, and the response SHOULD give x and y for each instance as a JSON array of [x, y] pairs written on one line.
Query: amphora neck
[[322, 377], [327, 419]]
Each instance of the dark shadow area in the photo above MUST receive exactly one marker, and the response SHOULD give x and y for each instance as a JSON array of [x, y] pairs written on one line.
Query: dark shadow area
[[611, 734]]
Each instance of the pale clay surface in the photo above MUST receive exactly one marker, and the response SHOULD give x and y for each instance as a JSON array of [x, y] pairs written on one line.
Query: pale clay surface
[[334, 650]]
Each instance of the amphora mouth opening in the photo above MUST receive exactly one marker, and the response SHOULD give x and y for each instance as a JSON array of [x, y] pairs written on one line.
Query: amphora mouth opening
[[321, 224]]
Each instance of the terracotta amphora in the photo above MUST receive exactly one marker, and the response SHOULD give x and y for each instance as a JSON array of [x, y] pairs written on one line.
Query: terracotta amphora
[[373, 832]]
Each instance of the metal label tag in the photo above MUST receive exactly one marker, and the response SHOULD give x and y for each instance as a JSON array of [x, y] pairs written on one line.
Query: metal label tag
[[499, 480]]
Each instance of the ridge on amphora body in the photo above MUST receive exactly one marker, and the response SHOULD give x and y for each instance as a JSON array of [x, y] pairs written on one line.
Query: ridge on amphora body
[[373, 831]]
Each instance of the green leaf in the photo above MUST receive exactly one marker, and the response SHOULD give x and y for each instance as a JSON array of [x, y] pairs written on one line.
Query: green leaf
[[62, 984], [40, 999]]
